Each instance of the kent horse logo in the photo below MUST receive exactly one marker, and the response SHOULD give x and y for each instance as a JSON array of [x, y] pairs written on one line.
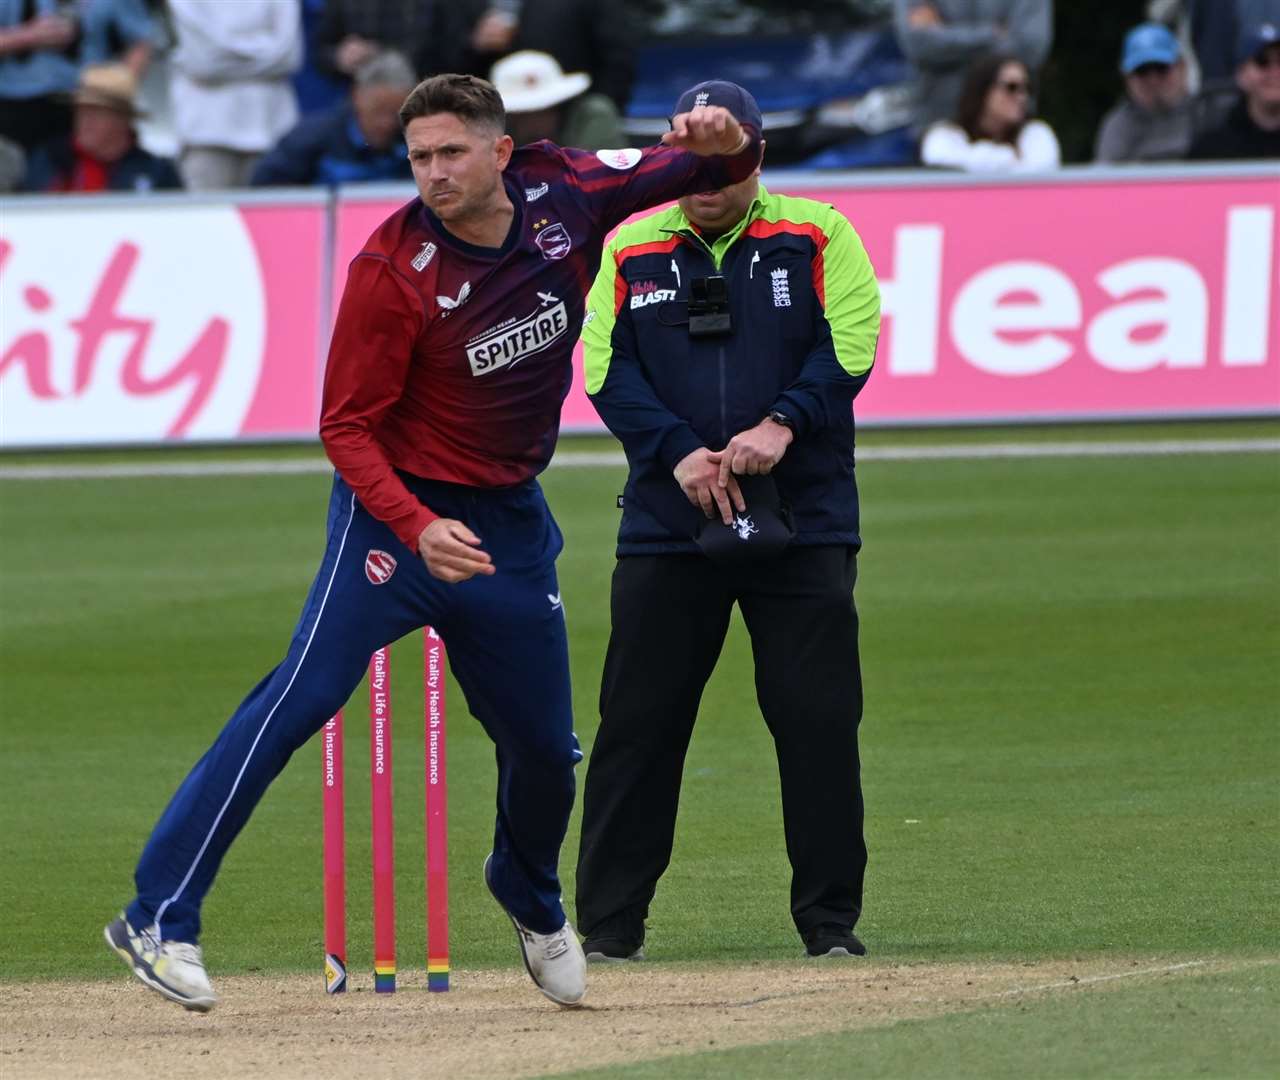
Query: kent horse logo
[[744, 525], [378, 567]]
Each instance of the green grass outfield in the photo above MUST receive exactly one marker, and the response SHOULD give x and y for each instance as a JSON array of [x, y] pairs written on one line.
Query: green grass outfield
[[1069, 743]]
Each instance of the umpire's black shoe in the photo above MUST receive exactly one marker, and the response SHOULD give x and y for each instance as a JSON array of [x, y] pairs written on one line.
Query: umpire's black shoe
[[831, 939], [614, 941]]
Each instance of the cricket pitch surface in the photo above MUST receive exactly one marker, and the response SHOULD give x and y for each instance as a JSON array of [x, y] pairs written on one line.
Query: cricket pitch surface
[[494, 1023]]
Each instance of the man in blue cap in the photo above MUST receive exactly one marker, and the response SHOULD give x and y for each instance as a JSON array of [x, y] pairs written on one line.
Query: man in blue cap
[[1252, 129], [1153, 122], [725, 340]]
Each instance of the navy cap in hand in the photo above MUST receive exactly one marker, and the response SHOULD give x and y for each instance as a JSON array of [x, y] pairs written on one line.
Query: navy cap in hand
[[741, 105], [762, 531]]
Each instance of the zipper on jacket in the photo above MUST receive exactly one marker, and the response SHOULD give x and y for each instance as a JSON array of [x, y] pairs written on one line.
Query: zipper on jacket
[[724, 421]]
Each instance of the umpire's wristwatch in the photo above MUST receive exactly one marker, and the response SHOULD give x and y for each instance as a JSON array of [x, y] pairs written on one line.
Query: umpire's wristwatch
[[782, 419]]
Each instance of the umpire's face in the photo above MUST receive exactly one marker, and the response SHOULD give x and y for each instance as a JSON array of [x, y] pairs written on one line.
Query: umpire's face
[[720, 210]]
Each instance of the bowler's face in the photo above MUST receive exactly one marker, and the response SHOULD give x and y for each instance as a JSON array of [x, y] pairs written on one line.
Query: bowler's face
[[457, 167]]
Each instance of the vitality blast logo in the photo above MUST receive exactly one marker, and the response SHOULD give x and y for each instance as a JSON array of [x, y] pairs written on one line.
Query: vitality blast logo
[[644, 293]]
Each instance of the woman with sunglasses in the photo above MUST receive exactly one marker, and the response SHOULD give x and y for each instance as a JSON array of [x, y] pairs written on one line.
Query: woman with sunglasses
[[992, 131]]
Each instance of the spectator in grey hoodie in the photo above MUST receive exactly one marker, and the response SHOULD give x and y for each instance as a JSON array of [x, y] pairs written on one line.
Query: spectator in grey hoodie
[[1154, 121], [942, 38]]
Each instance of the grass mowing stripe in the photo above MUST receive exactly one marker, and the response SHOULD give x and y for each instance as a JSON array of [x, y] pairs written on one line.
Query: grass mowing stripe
[[1068, 743], [1218, 1024], [614, 459]]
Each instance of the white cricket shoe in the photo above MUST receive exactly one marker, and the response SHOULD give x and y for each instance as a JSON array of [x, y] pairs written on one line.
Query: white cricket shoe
[[554, 961], [172, 968]]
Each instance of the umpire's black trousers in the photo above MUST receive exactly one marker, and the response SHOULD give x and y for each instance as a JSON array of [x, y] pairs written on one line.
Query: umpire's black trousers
[[670, 614]]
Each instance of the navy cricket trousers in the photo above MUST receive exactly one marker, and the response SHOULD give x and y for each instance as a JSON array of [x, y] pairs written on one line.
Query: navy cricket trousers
[[507, 648]]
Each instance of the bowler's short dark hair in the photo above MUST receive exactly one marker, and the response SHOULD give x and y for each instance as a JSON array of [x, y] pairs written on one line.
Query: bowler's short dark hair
[[471, 99]]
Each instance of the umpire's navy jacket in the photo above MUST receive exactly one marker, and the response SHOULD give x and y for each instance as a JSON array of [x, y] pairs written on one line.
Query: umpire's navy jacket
[[805, 312]]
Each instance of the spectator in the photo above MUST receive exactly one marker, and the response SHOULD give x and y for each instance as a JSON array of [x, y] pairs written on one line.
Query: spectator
[[117, 31], [944, 37], [13, 166], [1153, 122], [594, 36], [1252, 128], [542, 102], [37, 70], [102, 151], [1215, 27], [230, 87], [351, 32], [991, 131], [357, 142], [317, 90]]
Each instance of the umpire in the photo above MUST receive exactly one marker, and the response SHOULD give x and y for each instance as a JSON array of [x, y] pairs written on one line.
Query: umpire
[[726, 339]]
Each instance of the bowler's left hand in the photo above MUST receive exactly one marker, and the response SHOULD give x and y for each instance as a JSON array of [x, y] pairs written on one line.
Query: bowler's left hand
[[706, 130], [754, 452]]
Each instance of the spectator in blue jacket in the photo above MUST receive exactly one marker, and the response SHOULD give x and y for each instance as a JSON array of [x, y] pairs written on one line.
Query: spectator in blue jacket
[[102, 151], [357, 142], [117, 31], [37, 70]]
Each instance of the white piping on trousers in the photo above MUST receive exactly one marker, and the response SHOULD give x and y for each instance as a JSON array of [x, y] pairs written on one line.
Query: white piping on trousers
[[258, 738]]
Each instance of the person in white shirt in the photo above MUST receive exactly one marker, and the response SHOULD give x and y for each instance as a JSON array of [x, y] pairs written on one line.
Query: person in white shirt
[[230, 89], [992, 131]]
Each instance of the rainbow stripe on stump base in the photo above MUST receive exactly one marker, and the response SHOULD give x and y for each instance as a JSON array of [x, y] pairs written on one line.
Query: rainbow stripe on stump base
[[437, 976], [384, 980]]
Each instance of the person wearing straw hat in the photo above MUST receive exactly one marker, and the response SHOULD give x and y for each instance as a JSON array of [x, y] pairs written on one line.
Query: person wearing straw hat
[[102, 151], [545, 102]]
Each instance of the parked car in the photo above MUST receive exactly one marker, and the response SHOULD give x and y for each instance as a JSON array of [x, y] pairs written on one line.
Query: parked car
[[834, 88]]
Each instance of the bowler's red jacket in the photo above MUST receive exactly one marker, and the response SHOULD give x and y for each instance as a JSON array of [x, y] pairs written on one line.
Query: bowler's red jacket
[[451, 361]]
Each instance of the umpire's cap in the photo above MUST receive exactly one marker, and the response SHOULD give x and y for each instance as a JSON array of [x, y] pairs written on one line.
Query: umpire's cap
[[738, 100]]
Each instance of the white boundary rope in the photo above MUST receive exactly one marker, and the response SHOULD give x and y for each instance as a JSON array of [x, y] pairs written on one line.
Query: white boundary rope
[[123, 470]]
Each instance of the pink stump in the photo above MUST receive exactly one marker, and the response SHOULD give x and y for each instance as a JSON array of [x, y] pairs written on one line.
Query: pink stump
[[384, 866], [335, 861], [437, 810]]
